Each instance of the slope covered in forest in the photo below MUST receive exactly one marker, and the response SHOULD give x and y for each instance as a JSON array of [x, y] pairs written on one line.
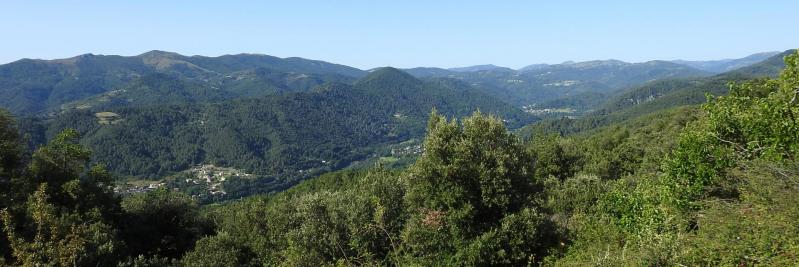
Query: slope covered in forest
[[284, 137], [31, 86]]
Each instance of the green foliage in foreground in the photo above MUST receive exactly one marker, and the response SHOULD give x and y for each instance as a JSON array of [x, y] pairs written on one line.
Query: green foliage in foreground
[[54, 211], [471, 198], [725, 195]]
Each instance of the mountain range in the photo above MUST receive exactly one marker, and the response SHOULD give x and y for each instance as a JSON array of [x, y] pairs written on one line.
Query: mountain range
[[659, 96], [31, 86], [543, 83], [36, 86], [724, 65]]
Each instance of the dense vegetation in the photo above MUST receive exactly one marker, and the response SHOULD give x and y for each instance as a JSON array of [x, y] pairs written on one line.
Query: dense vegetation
[[56, 211], [710, 185], [281, 138], [724, 195]]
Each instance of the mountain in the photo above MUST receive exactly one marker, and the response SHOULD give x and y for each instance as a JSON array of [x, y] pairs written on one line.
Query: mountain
[[440, 72], [538, 84], [150, 90], [422, 72], [47, 87], [668, 93], [725, 65], [534, 67], [35, 86], [280, 138], [476, 68], [655, 97], [162, 89], [161, 60]]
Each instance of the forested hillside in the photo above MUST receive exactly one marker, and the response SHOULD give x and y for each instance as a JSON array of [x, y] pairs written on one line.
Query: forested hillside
[[659, 95], [725, 65], [709, 185], [538, 84], [281, 138], [36, 86], [675, 92]]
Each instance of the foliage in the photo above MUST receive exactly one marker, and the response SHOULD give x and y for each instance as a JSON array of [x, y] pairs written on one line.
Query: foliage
[[69, 215], [459, 190], [220, 250], [724, 196], [57, 212], [460, 202], [161, 223], [61, 238], [314, 223]]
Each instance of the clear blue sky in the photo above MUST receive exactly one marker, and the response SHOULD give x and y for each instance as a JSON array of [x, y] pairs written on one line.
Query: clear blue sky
[[404, 33]]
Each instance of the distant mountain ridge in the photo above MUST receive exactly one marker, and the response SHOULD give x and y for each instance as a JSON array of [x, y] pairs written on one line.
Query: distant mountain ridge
[[725, 65], [662, 94], [33, 86], [477, 68], [657, 97], [539, 84], [47, 87]]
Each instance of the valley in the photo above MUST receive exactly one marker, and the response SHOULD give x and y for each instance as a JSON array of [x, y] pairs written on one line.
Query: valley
[[286, 120], [399, 133], [273, 161]]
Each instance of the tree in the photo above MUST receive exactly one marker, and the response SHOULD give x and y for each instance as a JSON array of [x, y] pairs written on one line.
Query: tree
[[469, 177], [757, 120], [162, 223], [60, 237], [220, 250], [10, 158], [10, 147], [555, 156], [70, 213]]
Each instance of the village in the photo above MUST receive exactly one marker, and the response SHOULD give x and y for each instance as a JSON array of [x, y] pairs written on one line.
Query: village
[[199, 181], [543, 111]]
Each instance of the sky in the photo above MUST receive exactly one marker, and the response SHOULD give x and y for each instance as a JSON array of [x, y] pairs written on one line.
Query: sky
[[406, 33]]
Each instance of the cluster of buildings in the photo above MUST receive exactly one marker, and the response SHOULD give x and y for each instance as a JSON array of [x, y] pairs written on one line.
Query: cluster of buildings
[[407, 150], [542, 111], [127, 189], [208, 179], [213, 177]]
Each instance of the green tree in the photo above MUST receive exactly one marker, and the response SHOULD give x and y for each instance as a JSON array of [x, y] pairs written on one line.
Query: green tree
[[10, 161], [61, 238], [220, 250], [10, 148], [469, 177], [70, 213], [555, 156], [162, 223], [758, 119]]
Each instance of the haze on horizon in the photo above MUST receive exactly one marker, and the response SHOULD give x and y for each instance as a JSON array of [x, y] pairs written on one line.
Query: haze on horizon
[[403, 34]]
